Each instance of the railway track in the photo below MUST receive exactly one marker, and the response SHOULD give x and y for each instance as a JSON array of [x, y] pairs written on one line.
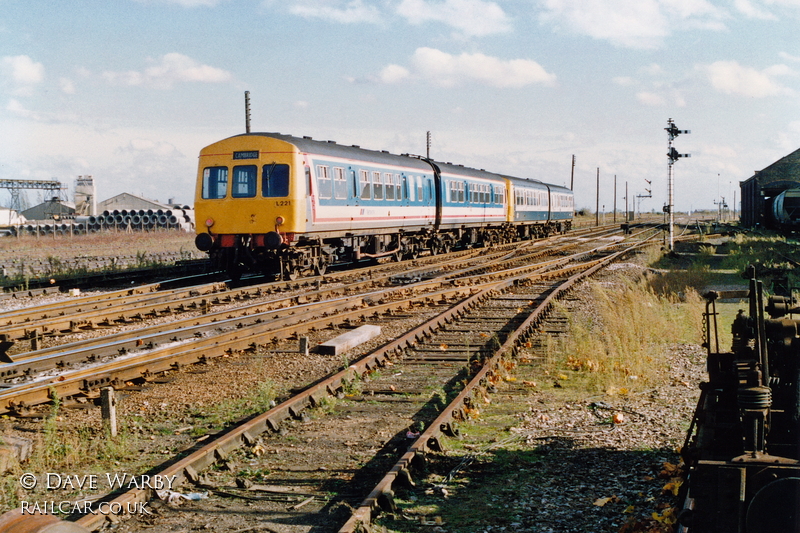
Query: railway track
[[78, 370], [420, 387], [379, 295]]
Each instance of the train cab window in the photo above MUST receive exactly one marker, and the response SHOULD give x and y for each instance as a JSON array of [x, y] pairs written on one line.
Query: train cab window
[[275, 181], [377, 186], [339, 183], [324, 185], [363, 182], [244, 182], [215, 182]]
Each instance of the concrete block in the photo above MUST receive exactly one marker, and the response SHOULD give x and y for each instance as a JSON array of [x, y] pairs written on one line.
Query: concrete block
[[349, 340]]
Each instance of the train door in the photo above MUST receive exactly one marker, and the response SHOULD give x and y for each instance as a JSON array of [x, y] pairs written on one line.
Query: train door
[[549, 199]]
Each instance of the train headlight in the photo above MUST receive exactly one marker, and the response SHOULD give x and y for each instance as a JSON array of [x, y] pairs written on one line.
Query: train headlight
[[209, 222], [279, 221]]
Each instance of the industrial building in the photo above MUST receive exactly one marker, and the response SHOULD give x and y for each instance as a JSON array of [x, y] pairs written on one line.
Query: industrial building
[[765, 185]]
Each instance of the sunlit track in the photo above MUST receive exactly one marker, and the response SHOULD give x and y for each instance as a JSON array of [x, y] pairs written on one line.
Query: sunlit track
[[114, 363], [489, 317], [276, 310]]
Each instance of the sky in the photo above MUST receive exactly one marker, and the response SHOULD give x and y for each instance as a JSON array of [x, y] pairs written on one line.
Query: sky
[[129, 91]]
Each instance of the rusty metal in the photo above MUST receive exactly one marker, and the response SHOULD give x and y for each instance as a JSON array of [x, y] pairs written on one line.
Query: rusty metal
[[742, 450], [188, 467], [17, 521], [429, 439]]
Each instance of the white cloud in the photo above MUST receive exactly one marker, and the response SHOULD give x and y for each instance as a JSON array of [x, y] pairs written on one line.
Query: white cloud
[[623, 81], [730, 77], [393, 74], [148, 147], [351, 12], [169, 69], [746, 8], [631, 23], [650, 99], [446, 70], [16, 108], [472, 17], [653, 69], [23, 70], [66, 85]]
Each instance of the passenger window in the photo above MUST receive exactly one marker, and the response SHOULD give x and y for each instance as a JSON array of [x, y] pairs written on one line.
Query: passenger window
[[409, 181], [397, 188], [215, 182], [387, 180], [244, 182], [275, 181], [324, 185], [339, 183], [377, 186], [419, 188], [363, 179]]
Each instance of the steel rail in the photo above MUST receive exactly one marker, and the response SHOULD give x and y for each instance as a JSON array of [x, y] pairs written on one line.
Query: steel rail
[[148, 363], [65, 356], [93, 350], [188, 467], [382, 495]]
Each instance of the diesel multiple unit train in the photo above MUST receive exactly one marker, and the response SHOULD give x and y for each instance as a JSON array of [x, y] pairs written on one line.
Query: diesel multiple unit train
[[284, 205]]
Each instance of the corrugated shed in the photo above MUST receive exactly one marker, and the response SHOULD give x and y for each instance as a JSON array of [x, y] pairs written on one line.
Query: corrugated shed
[[130, 202], [50, 210], [781, 175]]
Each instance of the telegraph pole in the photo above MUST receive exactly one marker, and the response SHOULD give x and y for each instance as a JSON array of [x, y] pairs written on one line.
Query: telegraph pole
[[572, 175], [247, 111], [597, 201], [615, 198], [673, 155]]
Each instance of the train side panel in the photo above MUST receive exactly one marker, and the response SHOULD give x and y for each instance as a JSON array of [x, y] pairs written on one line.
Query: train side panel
[[350, 195], [469, 200], [531, 202], [562, 203]]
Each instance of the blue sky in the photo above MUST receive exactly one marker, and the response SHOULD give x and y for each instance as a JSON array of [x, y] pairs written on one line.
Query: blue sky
[[129, 91]]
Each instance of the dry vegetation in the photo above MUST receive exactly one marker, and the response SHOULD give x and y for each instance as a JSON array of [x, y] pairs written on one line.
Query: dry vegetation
[[106, 244]]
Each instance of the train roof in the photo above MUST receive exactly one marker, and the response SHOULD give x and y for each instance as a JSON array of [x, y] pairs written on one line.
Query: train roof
[[334, 149]]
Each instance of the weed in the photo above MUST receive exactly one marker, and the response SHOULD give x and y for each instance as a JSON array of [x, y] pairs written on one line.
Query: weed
[[221, 414], [619, 348]]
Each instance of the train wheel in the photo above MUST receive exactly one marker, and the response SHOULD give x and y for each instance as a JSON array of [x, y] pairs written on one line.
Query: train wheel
[[320, 267], [292, 273]]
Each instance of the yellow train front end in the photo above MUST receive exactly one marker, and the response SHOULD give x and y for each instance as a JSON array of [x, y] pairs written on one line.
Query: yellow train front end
[[251, 203]]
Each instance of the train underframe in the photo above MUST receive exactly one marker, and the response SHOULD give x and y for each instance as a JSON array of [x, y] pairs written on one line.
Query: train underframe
[[313, 254]]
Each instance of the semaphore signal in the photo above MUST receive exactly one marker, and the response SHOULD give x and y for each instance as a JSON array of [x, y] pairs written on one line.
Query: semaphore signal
[[673, 155]]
